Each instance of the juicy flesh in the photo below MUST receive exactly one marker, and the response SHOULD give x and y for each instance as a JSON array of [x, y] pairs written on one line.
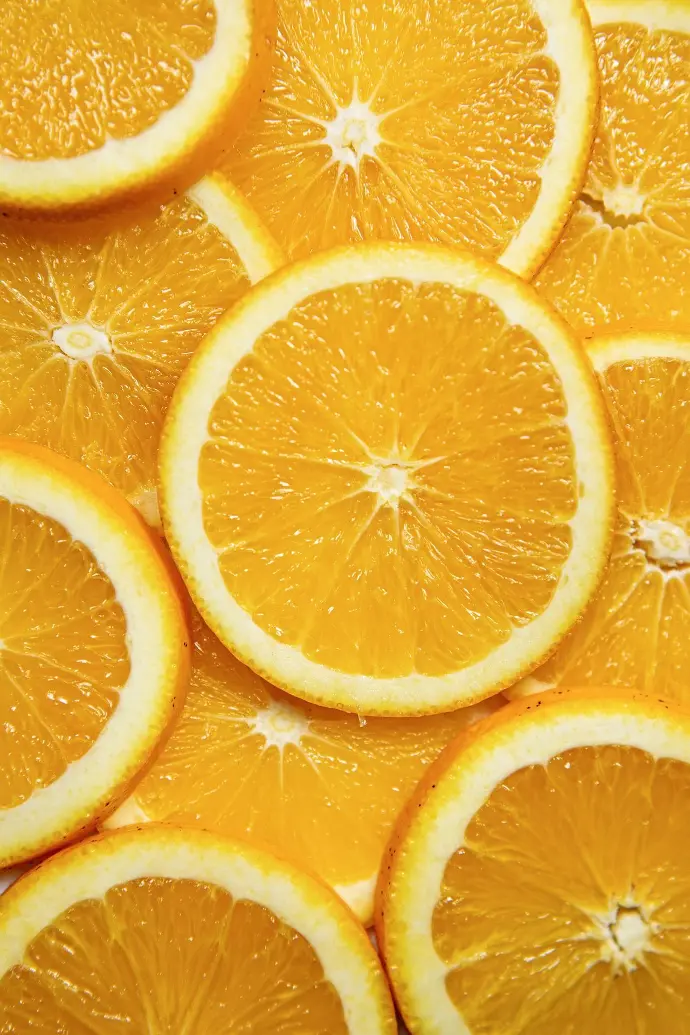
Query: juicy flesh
[[345, 146], [63, 651], [318, 786], [568, 907], [160, 955], [75, 75], [622, 259], [97, 322], [636, 631], [389, 478]]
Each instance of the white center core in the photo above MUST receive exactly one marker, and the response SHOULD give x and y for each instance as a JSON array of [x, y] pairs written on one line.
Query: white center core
[[353, 133], [280, 724], [664, 542], [627, 938], [389, 480], [623, 200], [81, 340]]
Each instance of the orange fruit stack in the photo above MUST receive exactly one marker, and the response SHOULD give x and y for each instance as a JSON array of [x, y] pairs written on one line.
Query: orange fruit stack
[[344, 516]]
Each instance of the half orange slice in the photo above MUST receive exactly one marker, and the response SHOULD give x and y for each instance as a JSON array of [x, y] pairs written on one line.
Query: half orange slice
[[172, 930], [94, 654]]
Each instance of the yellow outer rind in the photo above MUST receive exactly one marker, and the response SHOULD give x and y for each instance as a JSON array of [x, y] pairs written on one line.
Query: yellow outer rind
[[604, 350], [140, 569], [184, 434], [172, 153], [358, 896], [229, 211], [526, 732], [673, 15], [246, 871], [571, 46]]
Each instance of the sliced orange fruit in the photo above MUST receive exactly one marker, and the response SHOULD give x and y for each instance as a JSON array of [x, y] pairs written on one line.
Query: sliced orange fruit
[[539, 881], [386, 477], [458, 123], [94, 651], [97, 321], [171, 930], [318, 786], [106, 101], [621, 262], [636, 631]]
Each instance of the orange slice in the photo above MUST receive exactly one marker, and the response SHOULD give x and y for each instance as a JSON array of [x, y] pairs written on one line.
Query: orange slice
[[99, 319], [621, 262], [386, 478], [317, 786], [539, 881], [636, 631], [106, 101], [458, 123], [167, 930], [93, 649]]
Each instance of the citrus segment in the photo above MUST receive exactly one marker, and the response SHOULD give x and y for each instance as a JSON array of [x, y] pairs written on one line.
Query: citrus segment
[[621, 261], [105, 102], [317, 786], [347, 443], [483, 140], [541, 882], [635, 632], [173, 930], [93, 649], [98, 320]]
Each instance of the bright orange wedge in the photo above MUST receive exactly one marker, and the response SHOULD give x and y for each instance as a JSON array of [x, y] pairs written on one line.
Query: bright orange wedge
[[539, 881], [318, 786]]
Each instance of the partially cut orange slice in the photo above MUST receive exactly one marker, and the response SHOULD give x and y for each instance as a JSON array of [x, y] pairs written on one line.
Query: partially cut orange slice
[[94, 651], [169, 930], [386, 477], [317, 786], [448, 121], [98, 320], [539, 881], [105, 101], [622, 260], [636, 631]]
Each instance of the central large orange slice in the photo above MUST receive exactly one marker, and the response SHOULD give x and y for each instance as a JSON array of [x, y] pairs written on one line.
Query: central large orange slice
[[387, 479]]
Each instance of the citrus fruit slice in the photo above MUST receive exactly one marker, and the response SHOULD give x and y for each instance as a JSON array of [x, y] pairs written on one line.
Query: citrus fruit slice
[[636, 631], [317, 786], [94, 650], [456, 123], [621, 262], [98, 319], [345, 446], [181, 931], [109, 100], [539, 882]]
